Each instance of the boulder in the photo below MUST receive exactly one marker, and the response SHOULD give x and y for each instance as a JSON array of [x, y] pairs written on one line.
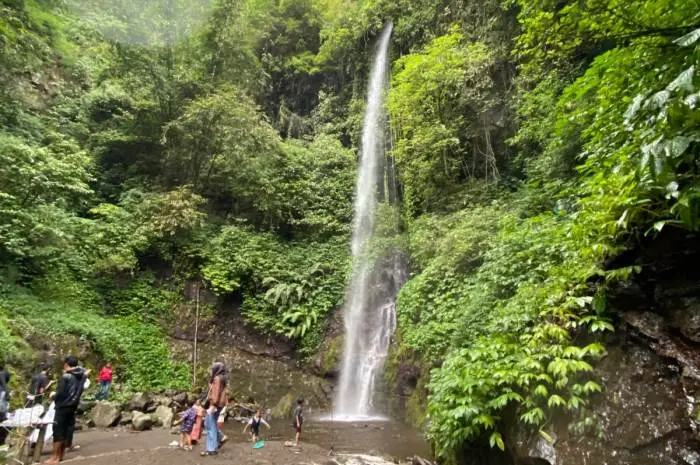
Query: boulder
[[162, 400], [140, 401], [85, 406], [686, 317], [180, 398], [105, 414], [141, 421], [163, 416], [126, 418], [417, 460]]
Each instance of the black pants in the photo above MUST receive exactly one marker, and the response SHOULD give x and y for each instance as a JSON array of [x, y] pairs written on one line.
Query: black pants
[[64, 424]]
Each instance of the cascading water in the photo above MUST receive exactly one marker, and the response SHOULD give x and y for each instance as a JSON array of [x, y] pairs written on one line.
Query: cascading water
[[370, 318]]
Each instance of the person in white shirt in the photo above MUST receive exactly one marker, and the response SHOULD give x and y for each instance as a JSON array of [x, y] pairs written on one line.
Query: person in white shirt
[[254, 424]]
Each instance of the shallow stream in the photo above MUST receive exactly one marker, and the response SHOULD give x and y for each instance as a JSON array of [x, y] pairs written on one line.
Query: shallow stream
[[383, 437]]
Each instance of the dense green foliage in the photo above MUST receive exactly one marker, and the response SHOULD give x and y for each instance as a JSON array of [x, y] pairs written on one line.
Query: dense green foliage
[[510, 295], [138, 153], [215, 140]]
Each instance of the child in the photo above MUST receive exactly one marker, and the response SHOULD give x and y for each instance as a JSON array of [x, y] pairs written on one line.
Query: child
[[298, 420], [254, 424], [196, 433], [187, 418]]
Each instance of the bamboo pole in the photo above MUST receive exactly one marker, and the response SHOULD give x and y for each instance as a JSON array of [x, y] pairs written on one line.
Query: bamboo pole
[[196, 331]]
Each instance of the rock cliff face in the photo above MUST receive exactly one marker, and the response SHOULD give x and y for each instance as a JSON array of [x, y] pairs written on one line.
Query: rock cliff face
[[649, 411], [645, 416], [261, 368]]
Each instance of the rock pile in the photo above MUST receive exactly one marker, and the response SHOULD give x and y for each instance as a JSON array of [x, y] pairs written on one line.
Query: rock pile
[[143, 411]]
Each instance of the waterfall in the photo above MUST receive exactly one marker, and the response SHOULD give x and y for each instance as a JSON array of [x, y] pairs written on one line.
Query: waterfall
[[369, 313]]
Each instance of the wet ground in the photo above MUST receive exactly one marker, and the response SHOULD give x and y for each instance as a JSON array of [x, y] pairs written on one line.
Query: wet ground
[[366, 437], [122, 447], [151, 448]]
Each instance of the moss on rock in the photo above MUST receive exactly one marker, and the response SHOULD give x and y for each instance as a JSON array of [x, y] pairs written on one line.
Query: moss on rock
[[330, 358], [284, 407]]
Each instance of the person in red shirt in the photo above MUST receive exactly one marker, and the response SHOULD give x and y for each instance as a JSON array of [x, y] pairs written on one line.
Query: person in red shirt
[[105, 380]]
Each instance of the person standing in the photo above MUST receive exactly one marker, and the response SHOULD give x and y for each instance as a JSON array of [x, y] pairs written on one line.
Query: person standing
[[254, 424], [68, 392], [86, 385], [298, 420], [105, 380], [38, 386], [188, 419], [216, 401], [4, 400], [196, 433]]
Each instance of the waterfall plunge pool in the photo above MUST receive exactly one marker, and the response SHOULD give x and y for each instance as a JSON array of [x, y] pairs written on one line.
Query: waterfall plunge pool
[[376, 436]]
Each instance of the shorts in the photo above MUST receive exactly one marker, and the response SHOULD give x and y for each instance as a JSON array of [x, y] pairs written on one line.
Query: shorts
[[298, 427], [186, 430], [64, 424]]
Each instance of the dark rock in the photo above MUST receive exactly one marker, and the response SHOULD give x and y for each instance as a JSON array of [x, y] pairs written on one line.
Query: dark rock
[[641, 419], [126, 418], [686, 317], [180, 398], [664, 342]]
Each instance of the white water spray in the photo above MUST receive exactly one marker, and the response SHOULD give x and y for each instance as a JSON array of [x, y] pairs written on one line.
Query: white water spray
[[370, 318]]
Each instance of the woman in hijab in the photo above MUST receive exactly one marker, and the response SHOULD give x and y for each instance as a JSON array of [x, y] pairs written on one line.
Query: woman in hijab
[[216, 401]]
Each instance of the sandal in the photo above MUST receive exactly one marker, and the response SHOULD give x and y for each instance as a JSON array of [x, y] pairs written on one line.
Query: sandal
[[207, 453]]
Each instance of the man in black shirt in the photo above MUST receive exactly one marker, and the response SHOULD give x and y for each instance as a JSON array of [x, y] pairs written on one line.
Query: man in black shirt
[[38, 386], [68, 393]]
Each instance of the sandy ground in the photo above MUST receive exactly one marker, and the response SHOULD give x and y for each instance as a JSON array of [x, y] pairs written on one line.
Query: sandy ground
[[151, 447]]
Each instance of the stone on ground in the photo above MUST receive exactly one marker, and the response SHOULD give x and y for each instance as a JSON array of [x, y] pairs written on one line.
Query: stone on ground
[[140, 401], [163, 416], [105, 414], [126, 418], [162, 400], [180, 398], [85, 406], [141, 421]]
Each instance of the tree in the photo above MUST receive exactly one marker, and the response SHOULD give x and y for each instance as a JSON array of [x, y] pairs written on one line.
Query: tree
[[441, 103]]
